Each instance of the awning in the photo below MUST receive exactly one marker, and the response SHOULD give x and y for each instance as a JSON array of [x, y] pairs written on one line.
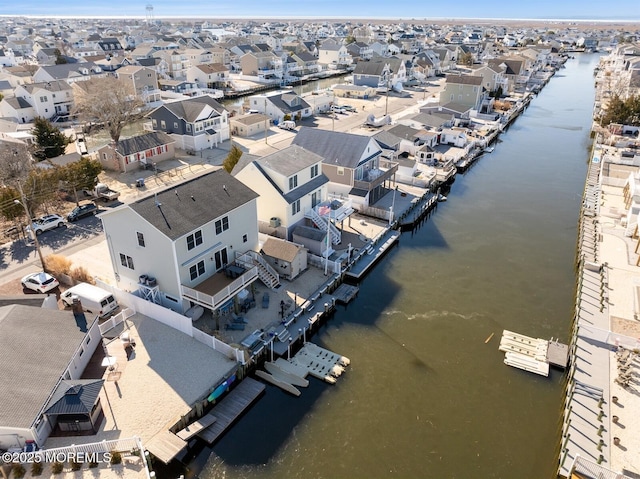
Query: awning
[[210, 131]]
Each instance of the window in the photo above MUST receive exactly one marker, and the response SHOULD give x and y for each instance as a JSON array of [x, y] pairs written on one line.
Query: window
[[293, 182], [126, 261], [43, 99], [314, 171], [140, 239], [189, 127], [163, 124], [244, 238], [295, 207], [175, 125], [222, 225], [196, 270], [194, 240], [154, 123], [340, 170]]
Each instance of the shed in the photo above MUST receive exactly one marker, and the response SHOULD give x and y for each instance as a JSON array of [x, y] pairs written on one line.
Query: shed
[[313, 239], [287, 258]]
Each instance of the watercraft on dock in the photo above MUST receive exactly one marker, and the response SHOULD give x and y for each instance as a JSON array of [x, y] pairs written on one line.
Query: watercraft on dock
[[285, 386], [531, 354]]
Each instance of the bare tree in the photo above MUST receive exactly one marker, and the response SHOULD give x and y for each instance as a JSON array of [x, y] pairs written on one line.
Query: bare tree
[[15, 162], [108, 102]]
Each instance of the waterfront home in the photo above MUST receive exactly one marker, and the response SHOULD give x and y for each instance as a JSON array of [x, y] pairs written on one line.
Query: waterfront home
[[332, 54], [198, 228], [251, 124], [140, 81], [351, 162], [210, 75], [195, 124], [279, 104], [464, 90], [142, 151], [264, 66], [42, 358], [292, 190], [380, 72]]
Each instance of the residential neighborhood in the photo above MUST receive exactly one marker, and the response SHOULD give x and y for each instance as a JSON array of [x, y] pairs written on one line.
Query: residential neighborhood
[[244, 178]]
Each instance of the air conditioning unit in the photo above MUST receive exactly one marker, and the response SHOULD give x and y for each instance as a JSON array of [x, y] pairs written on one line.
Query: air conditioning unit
[[274, 222]]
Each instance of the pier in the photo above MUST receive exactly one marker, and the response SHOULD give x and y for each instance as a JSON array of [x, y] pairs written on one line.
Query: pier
[[373, 254]]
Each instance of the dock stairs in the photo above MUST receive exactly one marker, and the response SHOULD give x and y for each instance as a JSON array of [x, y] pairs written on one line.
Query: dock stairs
[[321, 223], [266, 273]]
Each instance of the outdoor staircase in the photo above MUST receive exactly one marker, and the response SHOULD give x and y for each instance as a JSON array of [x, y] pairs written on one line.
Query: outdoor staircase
[[266, 273], [321, 223]]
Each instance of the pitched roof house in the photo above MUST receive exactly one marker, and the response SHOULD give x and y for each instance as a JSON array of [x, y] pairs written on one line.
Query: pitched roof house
[[351, 162], [198, 228], [142, 151], [37, 374], [195, 124]]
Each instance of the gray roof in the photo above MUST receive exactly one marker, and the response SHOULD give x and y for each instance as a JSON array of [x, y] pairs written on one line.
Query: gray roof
[[403, 132], [55, 85], [186, 207], [17, 103], [290, 160], [74, 397], [144, 142], [68, 70], [464, 80], [386, 139], [336, 148], [35, 349], [190, 109], [282, 101]]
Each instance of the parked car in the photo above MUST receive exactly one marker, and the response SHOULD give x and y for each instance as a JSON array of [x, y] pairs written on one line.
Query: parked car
[[39, 282], [82, 211], [350, 108], [46, 223]]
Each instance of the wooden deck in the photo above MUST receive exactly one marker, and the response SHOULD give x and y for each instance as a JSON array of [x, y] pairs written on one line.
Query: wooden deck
[[345, 293], [165, 446], [194, 428], [558, 354], [231, 407]]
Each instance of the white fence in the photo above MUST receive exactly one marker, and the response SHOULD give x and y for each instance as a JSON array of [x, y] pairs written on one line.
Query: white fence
[[113, 321], [608, 337], [334, 267], [172, 319]]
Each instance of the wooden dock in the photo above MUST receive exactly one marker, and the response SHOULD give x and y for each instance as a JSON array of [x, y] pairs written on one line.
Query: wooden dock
[[231, 407], [345, 293], [165, 446], [194, 428], [558, 354]]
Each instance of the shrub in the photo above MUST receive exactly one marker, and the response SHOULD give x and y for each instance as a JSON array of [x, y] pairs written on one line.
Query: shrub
[[116, 457], [57, 264], [56, 467], [18, 471], [93, 464], [36, 468], [80, 274], [75, 465]]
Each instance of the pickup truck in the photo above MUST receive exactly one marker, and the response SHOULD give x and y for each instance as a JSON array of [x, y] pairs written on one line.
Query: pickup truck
[[102, 192]]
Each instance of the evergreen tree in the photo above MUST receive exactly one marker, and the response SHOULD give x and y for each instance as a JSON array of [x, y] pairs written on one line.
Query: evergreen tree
[[50, 141]]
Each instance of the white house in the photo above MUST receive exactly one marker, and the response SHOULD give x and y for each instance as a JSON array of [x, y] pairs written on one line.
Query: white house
[[290, 184], [48, 99], [182, 237], [37, 376], [278, 104]]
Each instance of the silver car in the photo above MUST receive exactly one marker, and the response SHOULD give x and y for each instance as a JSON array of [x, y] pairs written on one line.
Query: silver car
[[46, 223]]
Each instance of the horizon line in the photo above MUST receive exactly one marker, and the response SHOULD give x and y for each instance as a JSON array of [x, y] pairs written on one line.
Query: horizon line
[[308, 17]]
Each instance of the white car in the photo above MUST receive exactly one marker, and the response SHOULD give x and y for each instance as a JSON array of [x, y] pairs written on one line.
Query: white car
[[46, 223], [40, 282]]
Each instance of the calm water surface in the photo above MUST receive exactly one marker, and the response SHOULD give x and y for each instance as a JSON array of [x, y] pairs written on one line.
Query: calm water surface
[[425, 397]]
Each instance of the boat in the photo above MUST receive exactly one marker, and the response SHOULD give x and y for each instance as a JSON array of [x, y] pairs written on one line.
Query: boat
[[285, 376], [441, 197], [285, 386], [490, 149]]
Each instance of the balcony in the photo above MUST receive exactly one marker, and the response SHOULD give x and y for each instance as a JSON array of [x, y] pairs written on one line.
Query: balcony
[[214, 291], [374, 178]]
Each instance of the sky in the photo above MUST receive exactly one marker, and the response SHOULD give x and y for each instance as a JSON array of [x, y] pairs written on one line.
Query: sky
[[628, 10]]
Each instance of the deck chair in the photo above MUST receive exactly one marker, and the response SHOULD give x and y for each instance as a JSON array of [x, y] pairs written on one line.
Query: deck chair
[[265, 300]]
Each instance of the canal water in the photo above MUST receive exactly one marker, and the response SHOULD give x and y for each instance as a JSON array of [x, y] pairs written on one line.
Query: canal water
[[425, 396]]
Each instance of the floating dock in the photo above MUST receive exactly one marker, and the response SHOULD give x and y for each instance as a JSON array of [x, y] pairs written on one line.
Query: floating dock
[[314, 360], [285, 386], [345, 293], [532, 354], [374, 254]]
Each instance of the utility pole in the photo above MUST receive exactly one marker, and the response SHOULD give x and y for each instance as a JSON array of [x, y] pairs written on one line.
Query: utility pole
[[266, 122], [33, 233]]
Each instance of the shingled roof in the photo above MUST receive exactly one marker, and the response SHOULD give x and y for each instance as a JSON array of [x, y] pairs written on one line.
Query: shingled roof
[[336, 148], [35, 349], [186, 207], [136, 144]]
